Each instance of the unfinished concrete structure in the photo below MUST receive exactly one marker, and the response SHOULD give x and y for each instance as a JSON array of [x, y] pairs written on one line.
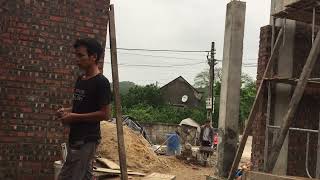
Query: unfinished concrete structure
[[292, 57], [230, 85], [37, 74]]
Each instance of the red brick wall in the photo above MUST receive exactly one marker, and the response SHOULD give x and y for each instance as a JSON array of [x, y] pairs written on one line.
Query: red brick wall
[[37, 73], [258, 128], [307, 115]]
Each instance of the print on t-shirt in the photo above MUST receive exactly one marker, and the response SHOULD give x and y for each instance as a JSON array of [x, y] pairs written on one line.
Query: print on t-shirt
[[79, 94]]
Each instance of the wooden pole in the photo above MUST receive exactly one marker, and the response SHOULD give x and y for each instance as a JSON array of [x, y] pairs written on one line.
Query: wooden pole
[[318, 152], [255, 106], [115, 82], [268, 117], [295, 100]]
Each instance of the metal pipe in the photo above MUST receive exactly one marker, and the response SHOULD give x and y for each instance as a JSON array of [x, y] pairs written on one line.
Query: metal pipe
[[266, 142], [307, 155], [295, 129]]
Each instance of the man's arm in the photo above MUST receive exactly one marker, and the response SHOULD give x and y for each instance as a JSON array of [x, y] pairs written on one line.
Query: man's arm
[[103, 114], [63, 111]]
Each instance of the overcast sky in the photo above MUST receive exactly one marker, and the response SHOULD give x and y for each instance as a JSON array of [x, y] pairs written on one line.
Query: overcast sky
[[178, 25]]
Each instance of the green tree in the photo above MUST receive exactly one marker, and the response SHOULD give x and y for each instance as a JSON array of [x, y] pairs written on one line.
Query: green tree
[[124, 86], [247, 96], [247, 93], [202, 84], [202, 79], [149, 94], [145, 104]]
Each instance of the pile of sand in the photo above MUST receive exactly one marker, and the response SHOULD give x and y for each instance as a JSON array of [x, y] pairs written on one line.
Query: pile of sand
[[140, 155]]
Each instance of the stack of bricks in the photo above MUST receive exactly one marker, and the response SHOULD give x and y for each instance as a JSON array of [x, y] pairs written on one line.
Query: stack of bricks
[[37, 75], [307, 115]]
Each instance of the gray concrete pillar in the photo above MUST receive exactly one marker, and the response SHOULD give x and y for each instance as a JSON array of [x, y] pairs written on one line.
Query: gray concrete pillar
[[283, 91], [230, 87]]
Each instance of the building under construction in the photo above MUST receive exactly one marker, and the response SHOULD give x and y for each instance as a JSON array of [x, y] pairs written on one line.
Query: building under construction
[[285, 115]]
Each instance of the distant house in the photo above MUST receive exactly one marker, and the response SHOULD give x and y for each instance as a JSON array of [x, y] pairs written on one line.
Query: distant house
[[180, 93]]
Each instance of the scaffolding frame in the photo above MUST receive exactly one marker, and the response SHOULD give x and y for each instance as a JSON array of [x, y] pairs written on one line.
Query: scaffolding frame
[[293, 11]]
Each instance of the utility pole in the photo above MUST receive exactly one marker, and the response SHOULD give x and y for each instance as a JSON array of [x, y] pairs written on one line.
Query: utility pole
[[210, 100]]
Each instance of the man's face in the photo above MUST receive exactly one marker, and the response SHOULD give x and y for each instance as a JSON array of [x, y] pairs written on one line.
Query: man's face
[[83, 60]]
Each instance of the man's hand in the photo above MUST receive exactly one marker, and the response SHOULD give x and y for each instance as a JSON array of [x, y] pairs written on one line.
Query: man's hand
[[62, 112], [68, 118]]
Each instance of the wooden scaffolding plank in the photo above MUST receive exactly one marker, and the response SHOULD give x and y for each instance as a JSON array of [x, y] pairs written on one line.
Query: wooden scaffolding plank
[[318, 153], [158, 176], [114, 171], [300, 10], [312, 83], [110, 164], [294, 102], [254, 108], [116, 92]]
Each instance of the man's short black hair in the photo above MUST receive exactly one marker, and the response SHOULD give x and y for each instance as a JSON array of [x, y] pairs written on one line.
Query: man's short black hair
[[92, 45]]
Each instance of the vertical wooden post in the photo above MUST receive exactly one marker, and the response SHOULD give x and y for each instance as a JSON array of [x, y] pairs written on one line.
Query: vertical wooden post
[[254, 108], [295, 100], [318, 153], [266, 142], [115, 82]]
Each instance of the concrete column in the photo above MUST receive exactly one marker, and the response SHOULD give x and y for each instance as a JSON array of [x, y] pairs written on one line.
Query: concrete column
[[283, 91], [230, 87]]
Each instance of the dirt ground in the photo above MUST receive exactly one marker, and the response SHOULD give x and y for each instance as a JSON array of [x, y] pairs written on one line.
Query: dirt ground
[[185, 171], [181, 170], [141, 158]]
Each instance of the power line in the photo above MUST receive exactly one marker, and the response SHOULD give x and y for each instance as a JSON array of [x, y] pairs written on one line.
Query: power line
[[157, 66], [156, 56], [169, 66], [163, 50], [174, 57]]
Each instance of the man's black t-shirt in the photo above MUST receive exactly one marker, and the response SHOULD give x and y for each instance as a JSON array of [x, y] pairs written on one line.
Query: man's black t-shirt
[[89, 96]]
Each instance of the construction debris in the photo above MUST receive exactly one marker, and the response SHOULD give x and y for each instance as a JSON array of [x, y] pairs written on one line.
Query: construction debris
[[108, 163], [158, 176], [113, 171]]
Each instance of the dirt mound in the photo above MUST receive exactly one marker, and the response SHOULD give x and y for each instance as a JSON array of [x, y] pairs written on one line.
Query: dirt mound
[[140, 156]]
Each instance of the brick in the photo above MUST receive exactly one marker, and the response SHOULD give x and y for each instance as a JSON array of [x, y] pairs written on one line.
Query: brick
[[57, 18], [33, 48]]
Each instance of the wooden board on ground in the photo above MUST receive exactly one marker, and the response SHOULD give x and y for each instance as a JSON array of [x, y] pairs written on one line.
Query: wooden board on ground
[[158, 176], [110, 164], [114, 171]]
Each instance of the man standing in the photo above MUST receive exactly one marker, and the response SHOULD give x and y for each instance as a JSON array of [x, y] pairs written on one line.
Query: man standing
[[206, 134], [206, 138], [91, 104]]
